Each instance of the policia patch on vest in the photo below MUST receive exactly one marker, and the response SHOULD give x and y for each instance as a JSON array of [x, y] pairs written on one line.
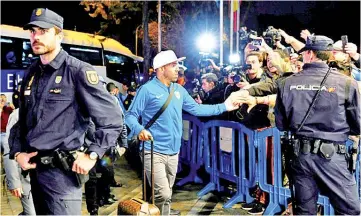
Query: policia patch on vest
[[92, 77]]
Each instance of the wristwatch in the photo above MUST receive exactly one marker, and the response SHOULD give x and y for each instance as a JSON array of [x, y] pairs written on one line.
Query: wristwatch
[[93, 155]]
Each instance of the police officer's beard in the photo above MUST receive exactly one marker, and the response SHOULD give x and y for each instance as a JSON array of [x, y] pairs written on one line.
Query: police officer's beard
[[44, 50]]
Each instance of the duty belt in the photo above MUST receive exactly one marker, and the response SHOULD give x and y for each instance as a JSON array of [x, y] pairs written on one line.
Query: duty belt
[[325, 149], [313, 146]]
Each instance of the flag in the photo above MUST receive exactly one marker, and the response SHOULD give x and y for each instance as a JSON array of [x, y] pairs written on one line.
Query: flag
[[236, 8]]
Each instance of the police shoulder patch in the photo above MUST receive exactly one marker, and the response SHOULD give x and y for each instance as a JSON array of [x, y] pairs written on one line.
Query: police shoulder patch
[[92, 77]]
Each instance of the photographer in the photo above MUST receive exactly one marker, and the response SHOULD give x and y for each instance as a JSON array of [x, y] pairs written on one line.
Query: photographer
[[212, 89], [276, 64], [255, 73], [268, 86], [192, 84]]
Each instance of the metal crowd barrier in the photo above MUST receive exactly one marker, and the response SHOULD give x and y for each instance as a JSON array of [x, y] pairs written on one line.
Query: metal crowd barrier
[[224, 158], [190, 153], [229, 164]]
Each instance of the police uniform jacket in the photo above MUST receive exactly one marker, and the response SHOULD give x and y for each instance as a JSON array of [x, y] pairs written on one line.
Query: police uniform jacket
[[56, 103], [336, 113]]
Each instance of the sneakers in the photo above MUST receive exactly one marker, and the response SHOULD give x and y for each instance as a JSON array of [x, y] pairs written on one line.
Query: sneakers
[[257, 209], [94, 212], [249, 206]]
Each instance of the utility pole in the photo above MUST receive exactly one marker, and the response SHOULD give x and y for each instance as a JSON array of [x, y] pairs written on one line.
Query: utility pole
[[159, 25], [221, 32]]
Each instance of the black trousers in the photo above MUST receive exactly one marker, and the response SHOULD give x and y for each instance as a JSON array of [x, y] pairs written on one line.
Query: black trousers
[[91, 195], [55, 192]]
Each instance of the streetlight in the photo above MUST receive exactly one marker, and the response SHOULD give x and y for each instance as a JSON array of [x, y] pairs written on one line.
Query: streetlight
[[206, 43], [136, 40]]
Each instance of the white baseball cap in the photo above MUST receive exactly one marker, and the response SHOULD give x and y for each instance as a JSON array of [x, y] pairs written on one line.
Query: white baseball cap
[[164, 58]]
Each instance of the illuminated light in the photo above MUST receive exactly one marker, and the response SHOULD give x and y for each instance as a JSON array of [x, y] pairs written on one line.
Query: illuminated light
[[3, 40], [84, 50], [234, 58], [206, 43]]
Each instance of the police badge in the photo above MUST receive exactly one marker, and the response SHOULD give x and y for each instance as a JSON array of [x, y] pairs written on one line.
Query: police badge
[[92, 77]]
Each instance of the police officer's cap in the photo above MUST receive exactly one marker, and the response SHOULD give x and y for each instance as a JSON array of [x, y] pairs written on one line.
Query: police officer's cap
[[44, 18], [318, 43]]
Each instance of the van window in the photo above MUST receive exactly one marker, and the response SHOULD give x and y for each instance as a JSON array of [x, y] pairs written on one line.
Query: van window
[[90, 55], [10, 53], [27, 56], [16, 53], [119, 67]]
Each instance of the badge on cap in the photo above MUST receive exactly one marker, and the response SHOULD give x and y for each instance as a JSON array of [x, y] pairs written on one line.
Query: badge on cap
[[92, 77], [58, 79], [38, 12]]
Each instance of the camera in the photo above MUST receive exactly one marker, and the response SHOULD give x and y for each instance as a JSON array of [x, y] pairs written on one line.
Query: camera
[[246, 37], [271, 36], [197, 91], [239, 72], [289, 50], [256, 42]]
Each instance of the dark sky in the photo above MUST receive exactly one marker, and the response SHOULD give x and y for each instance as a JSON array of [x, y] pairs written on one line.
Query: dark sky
[[332, 19], [18, 13]]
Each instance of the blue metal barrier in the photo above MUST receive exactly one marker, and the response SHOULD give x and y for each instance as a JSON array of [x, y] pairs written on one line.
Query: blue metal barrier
[[189, 153], [222, 165], [277, 193]]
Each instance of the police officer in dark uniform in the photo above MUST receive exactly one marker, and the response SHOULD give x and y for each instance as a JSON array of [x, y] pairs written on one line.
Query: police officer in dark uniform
[[58, 96], [130, 96], [319, 157]]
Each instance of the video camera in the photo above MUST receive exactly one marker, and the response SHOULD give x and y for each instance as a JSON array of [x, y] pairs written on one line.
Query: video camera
[[245, 36], [239, 71], [197, 91], [271, 36]]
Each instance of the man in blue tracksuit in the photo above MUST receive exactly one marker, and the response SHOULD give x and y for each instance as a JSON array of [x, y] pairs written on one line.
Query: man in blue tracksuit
[[319, 157], [167, 130]]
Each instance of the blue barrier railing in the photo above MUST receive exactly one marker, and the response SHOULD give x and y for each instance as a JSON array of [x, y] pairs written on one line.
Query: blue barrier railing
[[222, 164], [277, 193], [203, 147], [189, 153]]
